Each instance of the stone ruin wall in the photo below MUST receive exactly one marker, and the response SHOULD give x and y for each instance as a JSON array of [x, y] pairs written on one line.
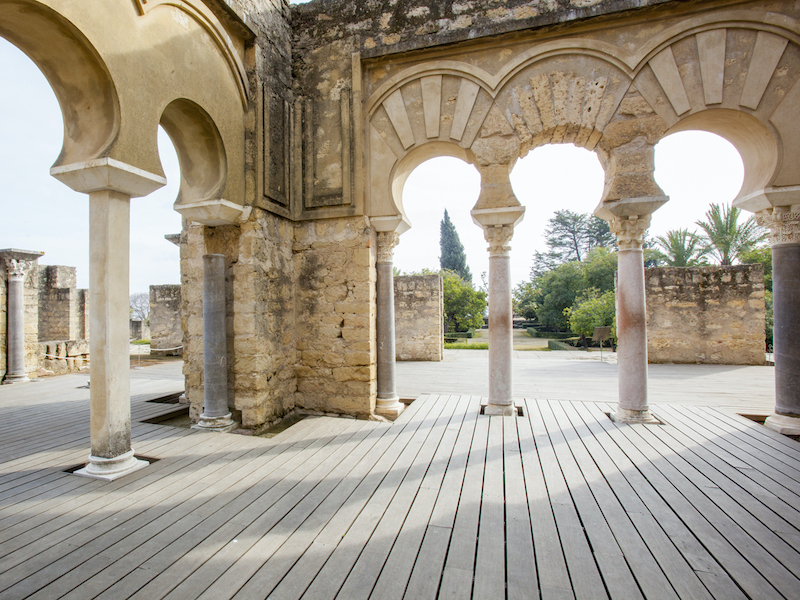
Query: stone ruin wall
[[165, 320], [63, 309], [710, 315], [31, 291], [300, 316], [418, 309], [3, 322]]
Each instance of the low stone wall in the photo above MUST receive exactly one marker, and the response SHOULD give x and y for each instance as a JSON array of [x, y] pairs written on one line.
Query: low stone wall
[[165, 320], [418, 323], [60, 357], [711, 315], [63, 309]]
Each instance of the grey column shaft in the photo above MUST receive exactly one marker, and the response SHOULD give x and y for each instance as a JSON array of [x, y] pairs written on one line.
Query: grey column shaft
[[632, 332], [16, 327], [215, 362], [385, 332], [501, 347], [786, 332]]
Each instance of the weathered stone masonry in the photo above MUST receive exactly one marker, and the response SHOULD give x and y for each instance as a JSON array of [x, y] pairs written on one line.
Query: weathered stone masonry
[[706, 315], [418, 301]]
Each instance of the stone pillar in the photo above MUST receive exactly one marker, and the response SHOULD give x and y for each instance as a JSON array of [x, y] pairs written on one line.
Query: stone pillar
[[785, 239], [387, 404], [16, 263], [216, 416], [631, 320], [110, 185], [109, 349], [501, 343]]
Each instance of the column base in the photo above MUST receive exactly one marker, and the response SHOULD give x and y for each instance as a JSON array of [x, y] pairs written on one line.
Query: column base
[[109, 469], [221, 424], [783, 424], [505, 410], [10, 379], [625, 415], [389, 407]]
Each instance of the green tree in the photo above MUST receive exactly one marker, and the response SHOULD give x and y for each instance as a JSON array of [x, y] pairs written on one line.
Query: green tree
[[725, 238], [592, 309], [524, 300], [570, 236], [763, 255], [555, 291], [453, 257], [681, 248], [463, 305]]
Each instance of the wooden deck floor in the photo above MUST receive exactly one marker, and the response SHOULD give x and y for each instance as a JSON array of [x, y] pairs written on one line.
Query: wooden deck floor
[[444, 503]]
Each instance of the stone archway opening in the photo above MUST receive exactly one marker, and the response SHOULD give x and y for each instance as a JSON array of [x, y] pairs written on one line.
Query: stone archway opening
[[435, 185], [695, 169]]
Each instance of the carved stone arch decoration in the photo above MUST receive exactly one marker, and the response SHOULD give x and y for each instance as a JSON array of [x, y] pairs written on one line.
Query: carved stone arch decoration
[[741, 80]]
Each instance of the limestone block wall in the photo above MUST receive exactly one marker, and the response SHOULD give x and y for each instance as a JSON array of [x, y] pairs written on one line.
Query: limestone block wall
[[63, 309], [60, 357], [418, 309], [709, 315], [260, 325], [334, 264], [165, 319]]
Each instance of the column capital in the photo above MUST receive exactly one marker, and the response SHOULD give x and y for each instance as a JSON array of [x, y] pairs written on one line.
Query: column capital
[[17, 261], [499, 239], [630, 231], [783, 224], [387, 240], [16, 269]]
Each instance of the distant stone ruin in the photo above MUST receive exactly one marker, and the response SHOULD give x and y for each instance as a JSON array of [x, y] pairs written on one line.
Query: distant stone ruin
[[418, 305], [708, 315]]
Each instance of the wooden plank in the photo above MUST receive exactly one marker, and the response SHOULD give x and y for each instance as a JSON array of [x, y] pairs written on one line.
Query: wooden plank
[[585, 579], [553, 577], [678, 571], [365, 572], [616, 573], [490, 561], [521, 578], [371, 473], [721, 538], [427, 573]]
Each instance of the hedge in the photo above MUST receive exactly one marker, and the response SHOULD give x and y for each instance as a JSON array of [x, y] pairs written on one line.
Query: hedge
[[550, 335], [556, 345]]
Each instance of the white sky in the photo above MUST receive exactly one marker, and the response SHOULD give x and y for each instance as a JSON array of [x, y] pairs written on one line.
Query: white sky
[[39, 213]]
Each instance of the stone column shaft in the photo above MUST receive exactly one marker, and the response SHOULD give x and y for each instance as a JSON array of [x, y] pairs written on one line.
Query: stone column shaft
[[15, 329], [785, 240], [631, 321], [388, 404], [501, 347], [109, 347], [216, 416]]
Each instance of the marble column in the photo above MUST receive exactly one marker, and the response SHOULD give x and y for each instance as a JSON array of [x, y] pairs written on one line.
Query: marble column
[[109, 349], [631, 320], [501, 346], [16, 264], [785, 239], [216, 416], [387, 404]]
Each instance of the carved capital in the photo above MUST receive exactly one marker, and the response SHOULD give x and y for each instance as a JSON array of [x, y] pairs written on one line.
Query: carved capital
[[630, 231], [16, 269], [499, 238], [387, 240], [784, 226]]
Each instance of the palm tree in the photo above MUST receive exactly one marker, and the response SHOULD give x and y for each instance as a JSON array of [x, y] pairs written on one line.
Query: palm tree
[[725, 238], [681, 248]]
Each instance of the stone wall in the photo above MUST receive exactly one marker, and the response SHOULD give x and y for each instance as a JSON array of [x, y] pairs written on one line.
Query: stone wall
[[60, 357], [63, 309], [3, 321], [334, 265], [165, 320], [706, 315], [418, 323], [388, 26]]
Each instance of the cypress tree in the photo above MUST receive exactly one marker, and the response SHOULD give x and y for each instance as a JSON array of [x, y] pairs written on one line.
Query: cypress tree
[[453, 257]]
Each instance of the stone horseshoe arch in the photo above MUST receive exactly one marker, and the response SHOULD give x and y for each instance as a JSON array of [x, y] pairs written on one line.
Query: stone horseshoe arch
[[77, 74]]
